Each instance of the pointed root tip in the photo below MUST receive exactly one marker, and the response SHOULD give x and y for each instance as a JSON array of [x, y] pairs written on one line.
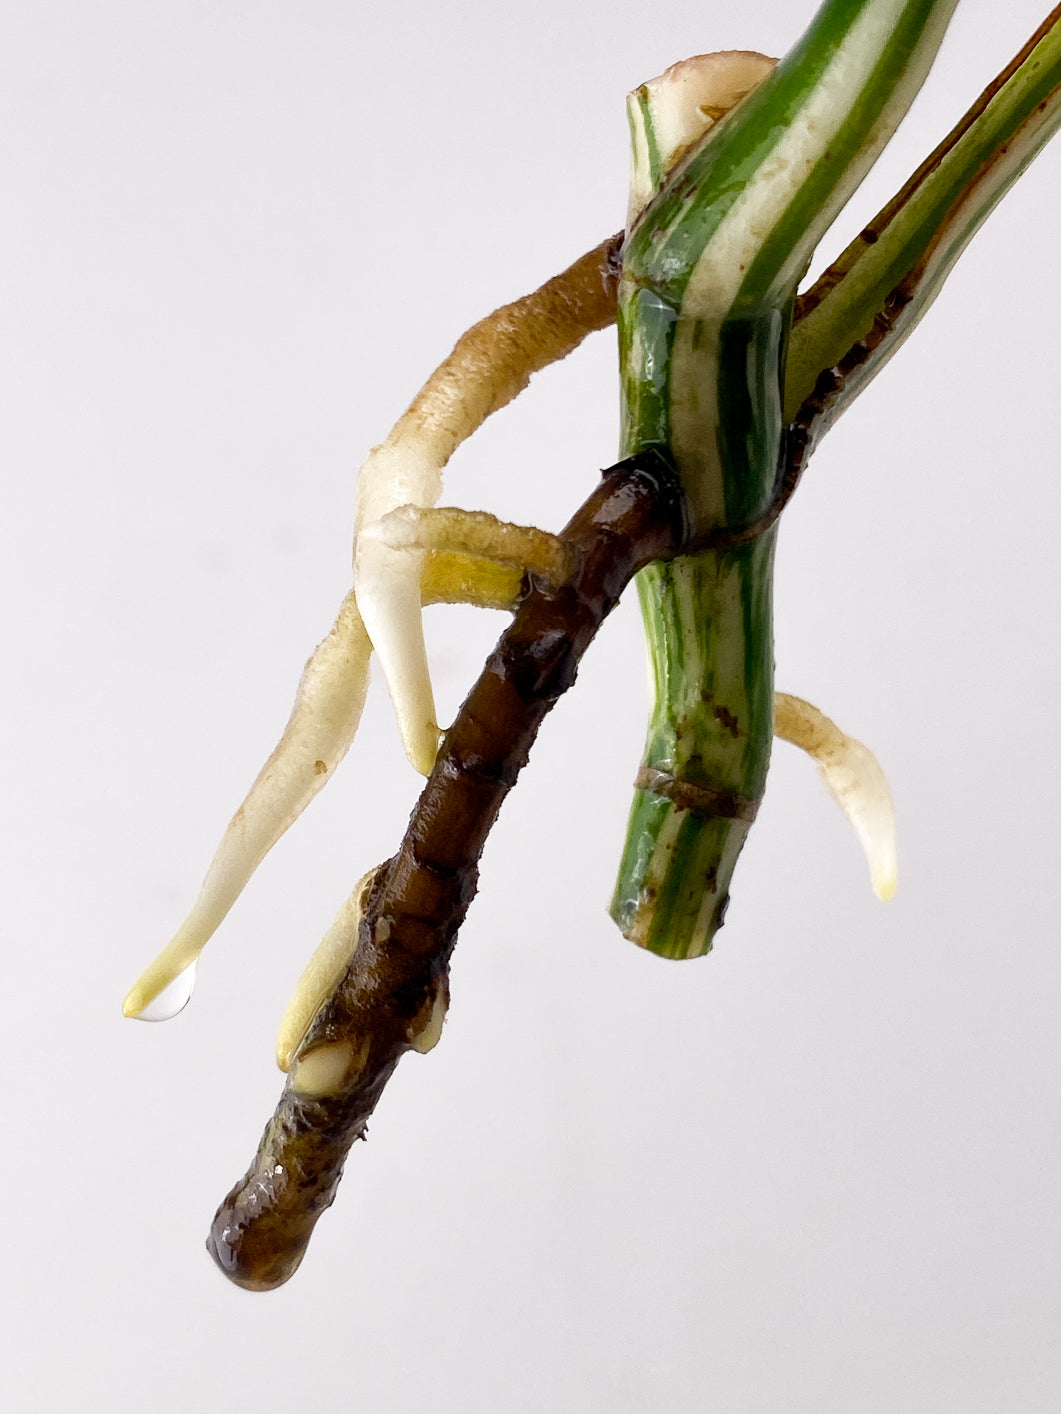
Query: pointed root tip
[[421, 741], [884, 882], [150, 1002]]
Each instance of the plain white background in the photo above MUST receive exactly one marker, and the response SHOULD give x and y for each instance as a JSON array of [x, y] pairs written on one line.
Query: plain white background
[[816, 1172]]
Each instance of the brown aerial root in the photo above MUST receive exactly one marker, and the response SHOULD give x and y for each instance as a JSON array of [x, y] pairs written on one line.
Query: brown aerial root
[[491, 364], [393, 994]]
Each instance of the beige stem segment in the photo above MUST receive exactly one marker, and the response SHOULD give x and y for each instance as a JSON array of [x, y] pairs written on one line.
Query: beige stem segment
[[854, 778]]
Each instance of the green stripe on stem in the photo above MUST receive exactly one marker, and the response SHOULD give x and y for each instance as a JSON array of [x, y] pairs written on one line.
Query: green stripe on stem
[[886, 279], [709, 275]]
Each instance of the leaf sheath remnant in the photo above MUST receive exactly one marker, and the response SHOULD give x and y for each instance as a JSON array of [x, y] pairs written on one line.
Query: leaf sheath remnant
[[392, 990]]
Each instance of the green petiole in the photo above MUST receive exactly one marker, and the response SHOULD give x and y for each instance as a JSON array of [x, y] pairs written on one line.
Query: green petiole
[[871, 298], [710, 269]]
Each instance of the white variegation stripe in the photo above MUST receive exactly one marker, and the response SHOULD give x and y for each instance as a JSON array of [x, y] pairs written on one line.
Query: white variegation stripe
[[718, 278], [705, 926], [655, 872], [980, 172]]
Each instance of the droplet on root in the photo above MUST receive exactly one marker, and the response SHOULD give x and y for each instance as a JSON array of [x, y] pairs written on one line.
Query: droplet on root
[[173, 998]]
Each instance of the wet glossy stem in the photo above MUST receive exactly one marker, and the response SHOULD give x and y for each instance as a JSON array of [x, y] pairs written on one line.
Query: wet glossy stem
[[705, 301], [418, 902], [864, 306]]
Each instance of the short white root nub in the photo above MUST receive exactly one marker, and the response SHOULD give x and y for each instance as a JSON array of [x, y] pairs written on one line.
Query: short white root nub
[[491, 363], [424, 1036], [854, 778], [323, 1070], [322, 973]]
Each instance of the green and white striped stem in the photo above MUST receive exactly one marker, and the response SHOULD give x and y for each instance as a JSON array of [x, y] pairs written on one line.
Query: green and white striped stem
[[710, 268], [864, 306]]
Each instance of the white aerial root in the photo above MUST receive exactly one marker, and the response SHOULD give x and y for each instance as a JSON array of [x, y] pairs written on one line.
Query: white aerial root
[[854, 778], [451, 557], [327, 710], [331, 695], [851, 773], [474, 533], [489, 366]]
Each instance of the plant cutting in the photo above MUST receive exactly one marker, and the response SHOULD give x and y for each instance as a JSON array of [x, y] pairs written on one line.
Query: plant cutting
[[728, 375]]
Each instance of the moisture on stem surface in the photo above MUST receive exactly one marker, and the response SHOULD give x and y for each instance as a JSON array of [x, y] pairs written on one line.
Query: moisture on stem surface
[[709, 276]]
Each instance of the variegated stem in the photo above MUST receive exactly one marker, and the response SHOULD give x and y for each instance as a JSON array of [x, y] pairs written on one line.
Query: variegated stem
[[709, 276], [865, 305]]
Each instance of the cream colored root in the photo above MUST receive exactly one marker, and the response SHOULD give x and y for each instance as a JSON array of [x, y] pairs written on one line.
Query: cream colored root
[[490, 365], [322, 725], [322, 973], [450, 578], [477, 534], [323, 721], [854, 778]]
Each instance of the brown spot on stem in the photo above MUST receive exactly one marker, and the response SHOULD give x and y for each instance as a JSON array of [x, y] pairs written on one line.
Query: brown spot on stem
[[727, 721], [709, 802]]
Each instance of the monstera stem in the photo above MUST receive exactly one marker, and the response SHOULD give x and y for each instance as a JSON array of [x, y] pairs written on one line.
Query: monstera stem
[[710, 268], [865, 305]]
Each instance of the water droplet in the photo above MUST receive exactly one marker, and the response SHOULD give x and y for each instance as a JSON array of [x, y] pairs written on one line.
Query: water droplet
[[173, 998]]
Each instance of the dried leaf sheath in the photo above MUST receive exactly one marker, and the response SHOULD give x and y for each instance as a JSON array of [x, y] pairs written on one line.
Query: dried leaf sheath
[[391, 990]]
